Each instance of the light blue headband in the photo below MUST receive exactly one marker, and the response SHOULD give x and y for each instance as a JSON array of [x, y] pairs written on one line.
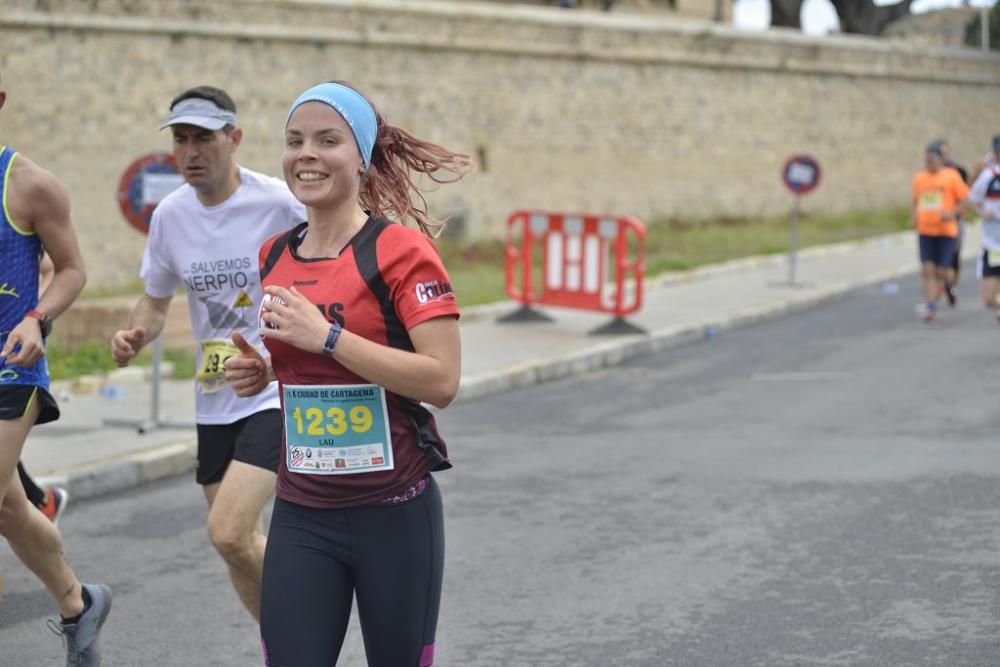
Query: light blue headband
[[352, 107]]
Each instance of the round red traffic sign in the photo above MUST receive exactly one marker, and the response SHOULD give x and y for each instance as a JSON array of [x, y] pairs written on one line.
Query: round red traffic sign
[[801, 174], [144, 184]]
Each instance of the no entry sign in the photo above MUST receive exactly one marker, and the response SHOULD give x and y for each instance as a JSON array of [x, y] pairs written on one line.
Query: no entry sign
[[801, 174], [144, 184]]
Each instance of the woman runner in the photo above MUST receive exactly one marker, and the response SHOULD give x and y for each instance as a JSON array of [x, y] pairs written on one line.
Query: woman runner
[[361, 325]]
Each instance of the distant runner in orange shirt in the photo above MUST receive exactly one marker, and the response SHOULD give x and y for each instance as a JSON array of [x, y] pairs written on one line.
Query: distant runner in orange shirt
[[956, 262], [937, 194]]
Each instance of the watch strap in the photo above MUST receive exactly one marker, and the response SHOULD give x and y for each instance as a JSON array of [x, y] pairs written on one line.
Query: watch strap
[[44, 321], [331, 339]]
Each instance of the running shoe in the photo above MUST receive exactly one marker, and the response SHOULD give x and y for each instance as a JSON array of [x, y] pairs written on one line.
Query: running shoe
[[927, 311], [951, 293], [56, 499], [80, 638]]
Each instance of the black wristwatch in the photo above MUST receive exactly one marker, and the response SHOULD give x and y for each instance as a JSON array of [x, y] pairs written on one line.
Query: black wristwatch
[[44, 321]]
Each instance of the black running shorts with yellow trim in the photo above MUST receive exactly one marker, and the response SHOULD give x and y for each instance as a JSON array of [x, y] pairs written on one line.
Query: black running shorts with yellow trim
[[16, 399], [255, 440]]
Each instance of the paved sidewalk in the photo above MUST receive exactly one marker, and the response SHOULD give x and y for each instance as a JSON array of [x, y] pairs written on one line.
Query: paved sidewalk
[[92, 457]]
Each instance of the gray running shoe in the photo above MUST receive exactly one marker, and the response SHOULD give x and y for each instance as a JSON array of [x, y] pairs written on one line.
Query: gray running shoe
[[80, 638]]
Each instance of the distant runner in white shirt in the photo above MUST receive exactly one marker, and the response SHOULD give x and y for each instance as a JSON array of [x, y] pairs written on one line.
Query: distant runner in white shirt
[[205, 236], [988, 160], [985, 196]]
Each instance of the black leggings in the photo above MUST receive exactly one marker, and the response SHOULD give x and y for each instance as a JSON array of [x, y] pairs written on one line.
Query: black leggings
[[36, 496], [390, 556]]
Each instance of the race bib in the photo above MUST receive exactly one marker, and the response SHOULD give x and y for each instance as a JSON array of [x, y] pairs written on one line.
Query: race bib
[[211, 373], [993, 259], [336, 429], [931, 201]]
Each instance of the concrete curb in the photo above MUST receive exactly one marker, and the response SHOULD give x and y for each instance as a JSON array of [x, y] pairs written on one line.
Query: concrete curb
[[499, 308], [105, 477], [612, 353]]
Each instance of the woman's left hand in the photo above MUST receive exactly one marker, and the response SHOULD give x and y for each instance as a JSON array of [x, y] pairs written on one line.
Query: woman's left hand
[[296, 320]]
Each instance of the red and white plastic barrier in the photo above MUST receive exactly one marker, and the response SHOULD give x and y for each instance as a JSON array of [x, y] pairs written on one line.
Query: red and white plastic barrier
[[589, 262]]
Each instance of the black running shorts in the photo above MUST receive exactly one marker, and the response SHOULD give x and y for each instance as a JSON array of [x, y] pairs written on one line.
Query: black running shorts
[[989, 264], [15, 399], [255, 440]]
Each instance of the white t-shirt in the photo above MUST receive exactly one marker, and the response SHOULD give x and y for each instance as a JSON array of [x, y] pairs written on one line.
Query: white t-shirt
[[986, 193], [213, 252]]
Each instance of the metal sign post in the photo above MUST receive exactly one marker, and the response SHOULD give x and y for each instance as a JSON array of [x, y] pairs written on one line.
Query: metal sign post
[[144, 185], [801, 175], [793, 242], [153, 421], [984, 28]]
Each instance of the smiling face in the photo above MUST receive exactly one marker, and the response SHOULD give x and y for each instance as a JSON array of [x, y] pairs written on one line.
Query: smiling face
[[321, 162]]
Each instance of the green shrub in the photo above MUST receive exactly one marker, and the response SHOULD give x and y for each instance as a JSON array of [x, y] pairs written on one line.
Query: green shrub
[[95, 359]]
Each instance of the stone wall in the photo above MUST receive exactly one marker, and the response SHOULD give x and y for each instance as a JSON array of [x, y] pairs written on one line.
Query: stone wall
[[704, 10], [562, 110]]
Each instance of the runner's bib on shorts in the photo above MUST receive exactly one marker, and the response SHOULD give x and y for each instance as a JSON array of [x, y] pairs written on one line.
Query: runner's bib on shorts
[[336, 429], [992, 258], [211, 373]]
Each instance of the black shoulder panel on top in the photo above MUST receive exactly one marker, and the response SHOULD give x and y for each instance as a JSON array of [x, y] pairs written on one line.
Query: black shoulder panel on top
[[279, 246], [428, 439], [365, 248]]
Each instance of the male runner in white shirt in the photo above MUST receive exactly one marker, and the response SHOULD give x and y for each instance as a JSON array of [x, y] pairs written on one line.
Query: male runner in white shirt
[[205, 236]]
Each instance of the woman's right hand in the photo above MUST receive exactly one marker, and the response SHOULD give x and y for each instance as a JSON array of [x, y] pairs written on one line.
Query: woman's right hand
[[249, 373]]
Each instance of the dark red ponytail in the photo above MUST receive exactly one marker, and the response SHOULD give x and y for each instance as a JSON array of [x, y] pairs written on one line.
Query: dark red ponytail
[[390, 187]]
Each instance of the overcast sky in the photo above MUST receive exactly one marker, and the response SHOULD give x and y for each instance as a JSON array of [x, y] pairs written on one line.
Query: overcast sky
[[818, 17]]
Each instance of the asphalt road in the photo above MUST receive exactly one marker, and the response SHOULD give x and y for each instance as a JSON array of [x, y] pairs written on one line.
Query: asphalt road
[[820, 489]]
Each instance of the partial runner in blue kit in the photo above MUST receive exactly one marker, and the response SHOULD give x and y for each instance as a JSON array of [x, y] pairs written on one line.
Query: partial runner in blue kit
[[22, 256], [35, 217]]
